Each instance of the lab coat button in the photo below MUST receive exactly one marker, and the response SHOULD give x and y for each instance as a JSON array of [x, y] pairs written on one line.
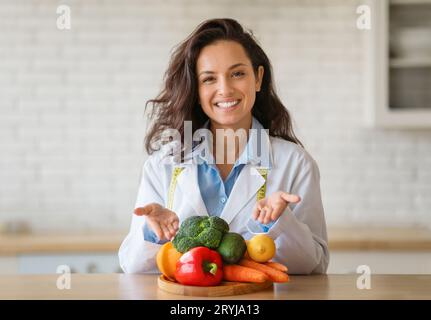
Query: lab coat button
[[223, 200]]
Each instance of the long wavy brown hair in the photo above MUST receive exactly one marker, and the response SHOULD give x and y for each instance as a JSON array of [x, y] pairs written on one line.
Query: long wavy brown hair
[[178, 100]]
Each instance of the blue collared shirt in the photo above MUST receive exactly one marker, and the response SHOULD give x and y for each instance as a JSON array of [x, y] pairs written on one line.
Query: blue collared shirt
[[214, 191]]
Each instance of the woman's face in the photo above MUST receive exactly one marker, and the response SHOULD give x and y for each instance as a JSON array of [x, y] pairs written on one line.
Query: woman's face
[[227, 84]]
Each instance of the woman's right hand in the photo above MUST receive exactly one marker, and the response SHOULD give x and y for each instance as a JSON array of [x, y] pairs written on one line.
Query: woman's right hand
[[162, 221]]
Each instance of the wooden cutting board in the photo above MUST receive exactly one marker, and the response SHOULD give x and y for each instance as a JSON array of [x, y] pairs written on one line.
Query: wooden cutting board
[[226, 288]]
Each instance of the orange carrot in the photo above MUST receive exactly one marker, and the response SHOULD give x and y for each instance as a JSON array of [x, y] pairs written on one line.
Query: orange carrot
[[276, 265], [237, 273], [273, 274]]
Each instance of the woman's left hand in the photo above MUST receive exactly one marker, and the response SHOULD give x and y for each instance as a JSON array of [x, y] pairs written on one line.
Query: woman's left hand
[[270, 208]]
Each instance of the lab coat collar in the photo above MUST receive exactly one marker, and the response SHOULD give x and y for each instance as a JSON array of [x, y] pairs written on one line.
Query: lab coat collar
[[258, 151], [245, 188], [188, 181]]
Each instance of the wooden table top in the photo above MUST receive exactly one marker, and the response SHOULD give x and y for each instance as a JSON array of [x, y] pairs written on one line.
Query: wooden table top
[[144, 287]]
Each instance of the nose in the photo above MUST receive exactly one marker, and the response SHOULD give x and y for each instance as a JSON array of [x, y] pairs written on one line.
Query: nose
[[225, 87]]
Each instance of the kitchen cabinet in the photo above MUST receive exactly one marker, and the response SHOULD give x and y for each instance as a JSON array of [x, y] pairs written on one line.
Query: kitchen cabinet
[[380, 262], [78, 263], [398, 93], [49, 263], [383, 250], [8, 265], [341, 262], [44, 253]]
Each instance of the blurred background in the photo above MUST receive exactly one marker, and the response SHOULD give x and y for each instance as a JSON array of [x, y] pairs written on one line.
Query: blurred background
[[72, 121]]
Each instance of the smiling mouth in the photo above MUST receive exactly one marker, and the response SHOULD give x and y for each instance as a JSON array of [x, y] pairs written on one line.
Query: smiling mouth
[[227, 105]]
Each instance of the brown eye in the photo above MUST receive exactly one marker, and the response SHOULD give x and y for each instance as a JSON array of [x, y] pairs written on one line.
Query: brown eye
[[238, 74], [207, 79]]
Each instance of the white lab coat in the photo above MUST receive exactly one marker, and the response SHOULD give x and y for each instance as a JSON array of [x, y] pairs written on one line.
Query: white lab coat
[[300, 232]]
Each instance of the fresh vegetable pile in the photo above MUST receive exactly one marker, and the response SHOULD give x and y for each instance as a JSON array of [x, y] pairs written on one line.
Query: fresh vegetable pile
[[204, 253]]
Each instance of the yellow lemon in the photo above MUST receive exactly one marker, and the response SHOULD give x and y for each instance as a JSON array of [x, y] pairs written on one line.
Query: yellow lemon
[[261, 248]]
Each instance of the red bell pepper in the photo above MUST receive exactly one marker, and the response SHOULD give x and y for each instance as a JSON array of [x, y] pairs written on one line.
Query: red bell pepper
[[199, 266]]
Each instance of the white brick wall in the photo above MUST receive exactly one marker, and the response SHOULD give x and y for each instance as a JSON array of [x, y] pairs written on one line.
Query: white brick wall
[[71, 107]]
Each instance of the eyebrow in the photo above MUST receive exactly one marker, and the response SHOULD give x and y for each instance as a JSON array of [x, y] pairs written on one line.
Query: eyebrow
[[230, 68]]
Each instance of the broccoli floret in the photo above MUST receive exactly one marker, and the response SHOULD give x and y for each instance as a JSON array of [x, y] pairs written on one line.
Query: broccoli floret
[[184, 244], [200, 231], [191, 222], [218, 224], [210, 238]]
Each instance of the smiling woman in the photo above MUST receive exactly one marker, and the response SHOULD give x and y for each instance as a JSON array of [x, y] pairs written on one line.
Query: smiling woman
[[218, 55], [220, 80]]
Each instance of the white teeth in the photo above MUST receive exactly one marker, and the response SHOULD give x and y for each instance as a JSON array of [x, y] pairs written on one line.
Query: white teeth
[[227, 104]]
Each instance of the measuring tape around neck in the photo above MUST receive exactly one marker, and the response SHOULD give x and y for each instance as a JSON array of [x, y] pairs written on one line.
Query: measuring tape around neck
[[262, 190], [176, 172]]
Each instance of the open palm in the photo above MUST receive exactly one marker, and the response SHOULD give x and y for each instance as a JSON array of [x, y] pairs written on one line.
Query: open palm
[[270, 208], [162, 221]]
